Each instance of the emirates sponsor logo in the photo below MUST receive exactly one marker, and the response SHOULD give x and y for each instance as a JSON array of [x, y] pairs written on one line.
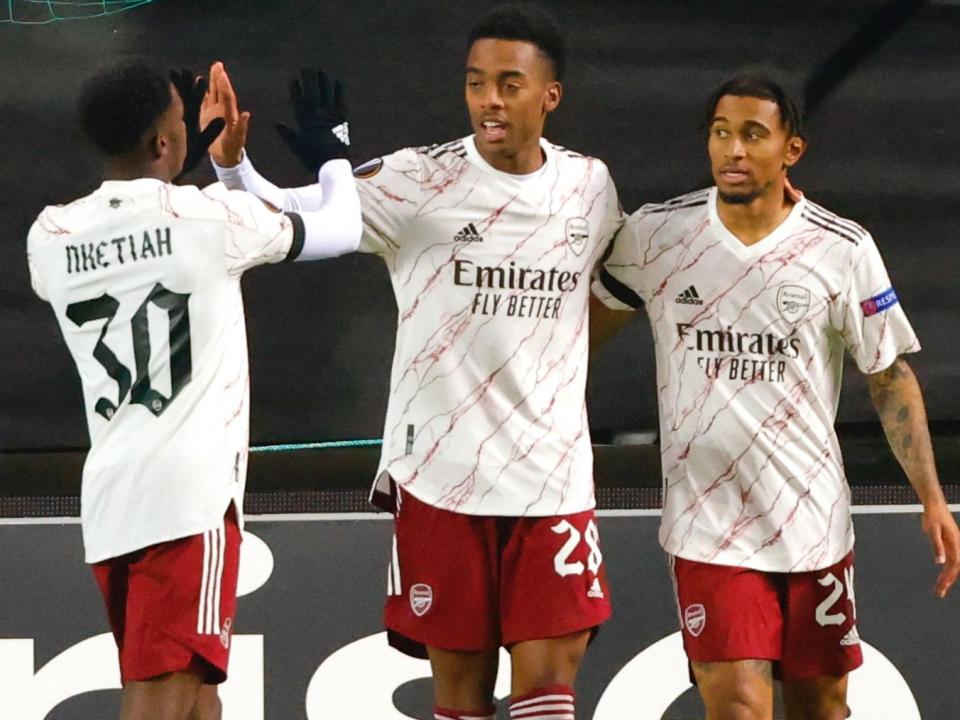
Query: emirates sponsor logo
[[695, 619], [421, 599]]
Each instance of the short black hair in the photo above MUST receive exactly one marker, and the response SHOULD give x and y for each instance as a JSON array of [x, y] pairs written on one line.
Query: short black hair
[[118, 105], [758, 85], [527, 23]]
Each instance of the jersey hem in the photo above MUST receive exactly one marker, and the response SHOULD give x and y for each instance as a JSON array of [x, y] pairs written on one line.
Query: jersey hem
[[774, 567], [141, 544]]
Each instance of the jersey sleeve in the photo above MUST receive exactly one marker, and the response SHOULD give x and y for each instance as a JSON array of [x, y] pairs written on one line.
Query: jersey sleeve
[[254, 234], [36, 280], [613, 215], [619, 281], [390, 190], [870, 318]]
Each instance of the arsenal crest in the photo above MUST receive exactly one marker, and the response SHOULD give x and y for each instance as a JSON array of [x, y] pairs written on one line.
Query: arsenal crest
[[695, 619], [793, 302], [578, 231], [421, 598]]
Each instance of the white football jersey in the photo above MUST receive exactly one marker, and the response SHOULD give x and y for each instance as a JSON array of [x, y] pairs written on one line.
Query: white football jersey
[[749, 346], [144, 278], [491, 273]]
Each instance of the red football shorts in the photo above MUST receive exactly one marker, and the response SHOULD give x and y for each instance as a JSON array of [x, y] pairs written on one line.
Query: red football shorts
[[806, 623], [475, 583], [171, 606]]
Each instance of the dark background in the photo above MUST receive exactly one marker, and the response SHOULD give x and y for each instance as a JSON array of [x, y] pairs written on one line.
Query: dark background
[[884, 149]]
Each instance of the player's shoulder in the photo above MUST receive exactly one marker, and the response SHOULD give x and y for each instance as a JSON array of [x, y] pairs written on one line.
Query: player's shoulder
[[443, 157], [63, 219], [667, 223], [818, 217], [568, 158], [415, 159], [451, 149], [690, 203], [212, 202]]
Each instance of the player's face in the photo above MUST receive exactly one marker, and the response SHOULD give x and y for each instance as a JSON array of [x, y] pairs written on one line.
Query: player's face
[[173, 132], [510, 88], [749, 148]]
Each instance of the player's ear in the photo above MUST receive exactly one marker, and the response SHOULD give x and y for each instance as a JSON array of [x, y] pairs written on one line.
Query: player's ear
[[794, 150], [551, 96], [158, 145]]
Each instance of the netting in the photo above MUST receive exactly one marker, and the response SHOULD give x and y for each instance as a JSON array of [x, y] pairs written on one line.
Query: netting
[[42, 12]]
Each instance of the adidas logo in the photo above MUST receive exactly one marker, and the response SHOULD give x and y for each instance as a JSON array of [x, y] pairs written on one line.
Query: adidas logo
[[595, 590], [851, 638], [689, 297], [468, 234], [342, 132]]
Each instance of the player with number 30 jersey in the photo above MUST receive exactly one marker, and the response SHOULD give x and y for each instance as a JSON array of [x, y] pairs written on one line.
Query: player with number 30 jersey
[[144, 279]]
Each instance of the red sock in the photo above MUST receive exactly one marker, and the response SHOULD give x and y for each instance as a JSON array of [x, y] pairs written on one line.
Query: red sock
[[440, 713], [553, 702]]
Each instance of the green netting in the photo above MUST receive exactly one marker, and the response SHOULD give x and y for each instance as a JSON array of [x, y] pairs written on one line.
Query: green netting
[[41, 12]]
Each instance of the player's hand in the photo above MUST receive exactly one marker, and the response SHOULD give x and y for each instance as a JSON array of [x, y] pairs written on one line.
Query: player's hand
[[192, 88], [322, 132], [941, 527], [220, 100]]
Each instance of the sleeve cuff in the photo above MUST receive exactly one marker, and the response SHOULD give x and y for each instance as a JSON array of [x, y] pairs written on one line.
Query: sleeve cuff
[[225, 174]]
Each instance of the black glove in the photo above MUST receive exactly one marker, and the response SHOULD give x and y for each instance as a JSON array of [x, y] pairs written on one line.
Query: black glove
[[191, 90], [321, 114]]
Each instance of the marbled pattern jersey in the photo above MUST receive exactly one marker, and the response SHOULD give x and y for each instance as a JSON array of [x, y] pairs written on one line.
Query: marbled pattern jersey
[[491, 274], [749, 345]]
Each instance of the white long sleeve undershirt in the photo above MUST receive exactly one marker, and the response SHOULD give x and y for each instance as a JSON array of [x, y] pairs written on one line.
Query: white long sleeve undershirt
[[330, 208]]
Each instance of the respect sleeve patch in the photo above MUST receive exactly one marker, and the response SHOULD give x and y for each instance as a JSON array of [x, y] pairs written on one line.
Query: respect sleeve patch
[[879, 303]]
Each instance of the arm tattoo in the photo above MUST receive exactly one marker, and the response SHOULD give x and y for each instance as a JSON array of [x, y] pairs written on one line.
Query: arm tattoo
[[896, 395]]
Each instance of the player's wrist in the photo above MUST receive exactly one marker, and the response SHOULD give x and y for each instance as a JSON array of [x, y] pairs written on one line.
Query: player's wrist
[[336, 168], [227, 160], [931, 496]]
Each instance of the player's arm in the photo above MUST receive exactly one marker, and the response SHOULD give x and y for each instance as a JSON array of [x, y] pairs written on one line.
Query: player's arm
[[899, 402], [33, 240], [605, 323], [326, 215], [618, 282], [320, 141], [878, 335]]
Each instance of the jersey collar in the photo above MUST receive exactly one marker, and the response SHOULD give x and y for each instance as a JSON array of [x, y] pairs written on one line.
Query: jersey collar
[[127, 185], [473, 155], [782, 231]]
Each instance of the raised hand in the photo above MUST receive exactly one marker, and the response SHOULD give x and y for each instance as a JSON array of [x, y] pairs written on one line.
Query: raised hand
[[220, 100], [192, 89], [939, 525], [322, 132]]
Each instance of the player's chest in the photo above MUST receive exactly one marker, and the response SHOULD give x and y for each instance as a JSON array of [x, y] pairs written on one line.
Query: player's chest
[[785, 287], [496, 229]]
